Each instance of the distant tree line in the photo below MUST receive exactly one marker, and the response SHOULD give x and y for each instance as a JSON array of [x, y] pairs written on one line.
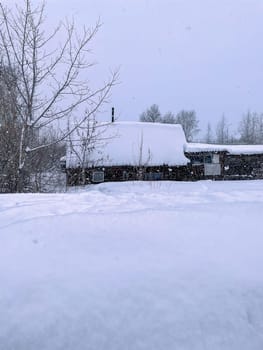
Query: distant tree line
[[187, 119], [249, 130]]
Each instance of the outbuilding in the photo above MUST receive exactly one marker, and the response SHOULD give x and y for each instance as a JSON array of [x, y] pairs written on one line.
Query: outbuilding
[[227, 162]]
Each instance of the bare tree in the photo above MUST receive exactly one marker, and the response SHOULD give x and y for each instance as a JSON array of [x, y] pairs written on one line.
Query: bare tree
[[251, 128], [142, 159], [45, 169], [209, 134], [52, 84], [10, 129], [168, 118], [189, 123], [44, 162], [152, 115], [222, 131], [85, 147], [260, 129]]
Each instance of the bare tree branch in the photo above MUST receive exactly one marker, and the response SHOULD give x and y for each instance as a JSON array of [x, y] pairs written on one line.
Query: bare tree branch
[[52, 84]]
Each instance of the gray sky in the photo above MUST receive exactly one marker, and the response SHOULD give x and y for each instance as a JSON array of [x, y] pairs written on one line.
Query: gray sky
[[205, 55]]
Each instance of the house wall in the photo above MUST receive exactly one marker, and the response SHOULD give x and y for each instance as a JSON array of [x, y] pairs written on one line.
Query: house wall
[[204, 165], [232, 166], [213, 163], [77, 176], [243, 166]]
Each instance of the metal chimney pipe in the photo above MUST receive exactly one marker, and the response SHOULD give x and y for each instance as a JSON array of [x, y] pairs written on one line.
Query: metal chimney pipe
[[112, 115]]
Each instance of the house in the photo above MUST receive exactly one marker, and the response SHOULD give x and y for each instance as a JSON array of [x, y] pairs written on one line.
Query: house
[[131, 151], [122, 151]]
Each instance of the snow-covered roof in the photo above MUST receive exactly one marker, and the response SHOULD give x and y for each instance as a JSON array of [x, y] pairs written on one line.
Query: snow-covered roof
[[134, 143], [231, 149]]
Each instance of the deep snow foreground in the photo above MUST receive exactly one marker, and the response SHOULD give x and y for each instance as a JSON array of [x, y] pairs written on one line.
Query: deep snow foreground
[[160, 265]]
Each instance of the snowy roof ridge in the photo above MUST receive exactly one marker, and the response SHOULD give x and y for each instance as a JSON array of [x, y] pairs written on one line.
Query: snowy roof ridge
[[231, 149]]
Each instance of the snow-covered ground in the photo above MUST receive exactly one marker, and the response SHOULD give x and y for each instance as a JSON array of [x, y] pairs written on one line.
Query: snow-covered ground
[[154, 266]]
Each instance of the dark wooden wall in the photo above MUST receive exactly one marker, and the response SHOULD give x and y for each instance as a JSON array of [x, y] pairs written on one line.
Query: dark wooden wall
[[233, 167], [76, 176]]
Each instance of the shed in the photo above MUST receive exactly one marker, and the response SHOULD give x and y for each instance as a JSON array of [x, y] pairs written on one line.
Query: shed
[[227, 161]]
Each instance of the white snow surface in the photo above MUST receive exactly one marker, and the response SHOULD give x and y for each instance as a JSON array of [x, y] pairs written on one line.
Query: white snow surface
[[143, 265], [231, 149], [134, 143]]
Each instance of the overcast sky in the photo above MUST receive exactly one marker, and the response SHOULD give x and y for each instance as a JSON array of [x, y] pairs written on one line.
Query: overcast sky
[[205, 55]]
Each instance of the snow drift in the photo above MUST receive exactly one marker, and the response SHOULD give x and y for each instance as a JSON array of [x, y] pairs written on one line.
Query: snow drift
[[133, 266]]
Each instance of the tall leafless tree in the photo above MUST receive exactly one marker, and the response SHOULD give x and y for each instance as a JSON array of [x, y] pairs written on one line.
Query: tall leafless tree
[[45, 167], [151, 115], [85, 148], [10, 129], [168, 118], [52, 84], [189, 123], [222, 131], [251, 128], [209, 134]]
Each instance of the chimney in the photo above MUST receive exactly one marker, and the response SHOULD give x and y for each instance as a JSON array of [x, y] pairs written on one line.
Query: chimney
[[112, 115]]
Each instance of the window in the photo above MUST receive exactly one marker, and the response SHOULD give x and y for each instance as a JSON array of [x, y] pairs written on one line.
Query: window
[[208, 159], [97, 176]]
